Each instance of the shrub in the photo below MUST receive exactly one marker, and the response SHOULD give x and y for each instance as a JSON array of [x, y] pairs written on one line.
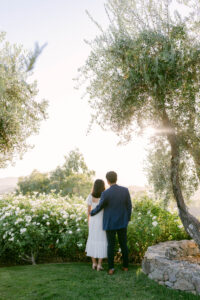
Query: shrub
[[47, 225], [151, 224], [52, 226]]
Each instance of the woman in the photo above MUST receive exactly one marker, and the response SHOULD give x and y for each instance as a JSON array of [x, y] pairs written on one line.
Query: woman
[[96, 246]]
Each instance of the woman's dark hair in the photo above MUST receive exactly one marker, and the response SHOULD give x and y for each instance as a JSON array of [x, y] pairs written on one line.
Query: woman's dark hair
[[111, 177], [98, 188]]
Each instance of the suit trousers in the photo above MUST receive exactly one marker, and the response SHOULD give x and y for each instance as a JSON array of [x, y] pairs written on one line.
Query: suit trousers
[[122, 238]]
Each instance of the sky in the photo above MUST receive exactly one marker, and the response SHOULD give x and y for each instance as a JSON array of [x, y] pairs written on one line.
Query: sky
[[63, 25]]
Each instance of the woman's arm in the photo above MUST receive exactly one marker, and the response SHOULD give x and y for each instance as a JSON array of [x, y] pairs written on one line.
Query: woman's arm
[[89, 210]]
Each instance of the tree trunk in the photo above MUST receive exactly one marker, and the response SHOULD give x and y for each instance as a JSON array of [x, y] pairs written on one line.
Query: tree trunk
[[190, 223]]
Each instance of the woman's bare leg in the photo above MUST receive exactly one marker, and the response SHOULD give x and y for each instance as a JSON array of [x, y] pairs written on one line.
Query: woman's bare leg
[[94, 263], [99, 266]]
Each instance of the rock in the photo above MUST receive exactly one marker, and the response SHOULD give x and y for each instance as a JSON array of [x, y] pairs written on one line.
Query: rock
[[184, 285], [169, 284], [172, 276], [196, 282], [146, 266], [166, 277], [174, 273], [156, 275]]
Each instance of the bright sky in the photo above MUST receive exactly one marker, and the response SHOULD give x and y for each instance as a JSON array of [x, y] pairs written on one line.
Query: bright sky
[[63, 24]]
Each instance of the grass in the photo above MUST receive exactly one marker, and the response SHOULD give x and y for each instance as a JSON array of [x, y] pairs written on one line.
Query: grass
[[78, 281]]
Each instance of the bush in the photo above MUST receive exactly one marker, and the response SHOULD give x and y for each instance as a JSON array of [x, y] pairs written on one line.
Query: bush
[[50, 226], [150, 224]]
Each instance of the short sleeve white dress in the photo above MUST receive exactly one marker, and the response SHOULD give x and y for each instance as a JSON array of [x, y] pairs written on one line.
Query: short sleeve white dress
[[97, 241]]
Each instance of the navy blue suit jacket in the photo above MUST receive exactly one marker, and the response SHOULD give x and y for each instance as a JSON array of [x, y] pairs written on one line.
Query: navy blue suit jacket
[[117, 206]]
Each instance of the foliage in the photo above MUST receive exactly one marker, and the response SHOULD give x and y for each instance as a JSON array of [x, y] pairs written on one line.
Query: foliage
[[36, 181], [20, 112], [72, 178], [151, 224], [51, 225], [158, 173], [144, 71], [78, 281]]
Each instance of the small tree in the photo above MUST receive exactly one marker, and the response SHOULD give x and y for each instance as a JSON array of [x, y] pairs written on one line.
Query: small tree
[[144, 71], [20, 111], [72, 178], [35, 182]]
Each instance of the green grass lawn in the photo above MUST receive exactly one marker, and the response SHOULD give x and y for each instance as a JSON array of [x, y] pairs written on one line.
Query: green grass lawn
[[79, 281]]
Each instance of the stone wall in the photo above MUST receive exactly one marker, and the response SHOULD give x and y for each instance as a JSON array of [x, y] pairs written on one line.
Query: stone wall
[[161, 264]]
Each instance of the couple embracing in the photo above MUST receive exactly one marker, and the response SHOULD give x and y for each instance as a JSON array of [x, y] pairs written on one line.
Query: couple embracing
[[109, 212]]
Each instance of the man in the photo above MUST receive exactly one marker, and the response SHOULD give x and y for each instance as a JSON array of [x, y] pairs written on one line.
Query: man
[[117, 206]]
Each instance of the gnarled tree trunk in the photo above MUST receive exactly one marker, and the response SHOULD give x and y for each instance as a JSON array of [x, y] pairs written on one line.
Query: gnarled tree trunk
[[190, 223]]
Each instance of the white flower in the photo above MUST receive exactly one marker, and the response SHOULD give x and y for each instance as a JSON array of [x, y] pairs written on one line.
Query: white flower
[[78, 229], [139, 218], [139, 213], [148, 212], [18, 220], [155, 223], [79, 244], [28, 219], [48, 223], [65, 222], [7, 214], [70, 232], [180, 226], [57, 241], [22, 230], [154, 217], [11, 239]]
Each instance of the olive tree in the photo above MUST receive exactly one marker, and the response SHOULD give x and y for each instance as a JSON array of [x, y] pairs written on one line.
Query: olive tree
[[20, 111], [143, 70]]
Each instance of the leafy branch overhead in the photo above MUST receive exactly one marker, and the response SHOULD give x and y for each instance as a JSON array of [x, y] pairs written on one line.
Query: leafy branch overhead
[[143, 70]]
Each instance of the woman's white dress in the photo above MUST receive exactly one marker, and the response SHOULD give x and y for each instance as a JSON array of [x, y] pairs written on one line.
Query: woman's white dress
[[97, 241]]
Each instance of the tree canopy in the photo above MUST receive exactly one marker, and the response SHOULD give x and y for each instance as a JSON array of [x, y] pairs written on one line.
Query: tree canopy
[[20, 111], [72, 178], [144, 71]]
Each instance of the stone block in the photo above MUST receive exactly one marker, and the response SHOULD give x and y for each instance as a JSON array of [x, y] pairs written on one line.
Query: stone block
[[196, 282], [183, 285], [172, 275], [169, 284], [156, 275]]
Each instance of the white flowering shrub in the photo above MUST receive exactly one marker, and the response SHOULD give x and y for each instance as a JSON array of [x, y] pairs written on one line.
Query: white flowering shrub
[[150, 224], [50, 226], [46, 225]]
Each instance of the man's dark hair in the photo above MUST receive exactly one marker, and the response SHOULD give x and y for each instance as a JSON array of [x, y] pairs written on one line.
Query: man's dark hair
[[111, 177]]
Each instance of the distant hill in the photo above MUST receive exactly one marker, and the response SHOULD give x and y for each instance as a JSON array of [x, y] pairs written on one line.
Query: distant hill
[[8, 184]]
